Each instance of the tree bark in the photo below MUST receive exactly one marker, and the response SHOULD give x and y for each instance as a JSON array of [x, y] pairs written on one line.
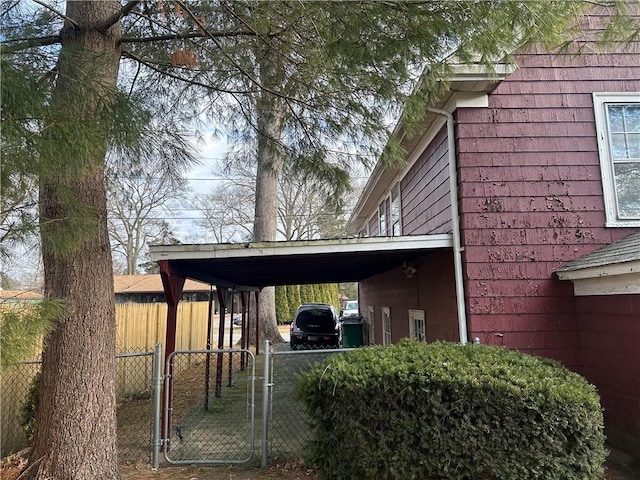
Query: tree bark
[[270, 122], [75, 435]]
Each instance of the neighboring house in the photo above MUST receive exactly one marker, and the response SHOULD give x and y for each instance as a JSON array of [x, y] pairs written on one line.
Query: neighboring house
[[19, 296], [148, 289], [546, 249]]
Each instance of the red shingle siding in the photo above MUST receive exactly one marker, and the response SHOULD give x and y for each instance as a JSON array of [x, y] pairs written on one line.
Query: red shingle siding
[[531, 197], [610, 338], [425, 191]]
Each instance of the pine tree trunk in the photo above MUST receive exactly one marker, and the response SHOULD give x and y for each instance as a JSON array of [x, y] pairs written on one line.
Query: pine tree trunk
[[270, 121], [75, 434]]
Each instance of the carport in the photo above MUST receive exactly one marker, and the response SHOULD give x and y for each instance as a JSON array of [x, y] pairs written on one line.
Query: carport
[[249, 267]]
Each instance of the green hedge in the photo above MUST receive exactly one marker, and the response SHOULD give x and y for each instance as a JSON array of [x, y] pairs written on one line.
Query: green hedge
[[442, 410]]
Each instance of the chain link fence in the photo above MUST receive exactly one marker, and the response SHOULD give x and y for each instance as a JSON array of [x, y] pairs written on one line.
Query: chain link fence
[[16, 382], [288, 425], [134, 408], [216, 412], [212, 399]]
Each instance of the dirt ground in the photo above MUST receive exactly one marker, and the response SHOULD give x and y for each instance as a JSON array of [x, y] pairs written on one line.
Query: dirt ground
[[13, 465], [619, 467]]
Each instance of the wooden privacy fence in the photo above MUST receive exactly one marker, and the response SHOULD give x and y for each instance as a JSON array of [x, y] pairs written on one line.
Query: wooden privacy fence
[[142, 325]]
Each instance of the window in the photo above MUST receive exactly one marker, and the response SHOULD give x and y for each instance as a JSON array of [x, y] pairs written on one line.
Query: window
[[417, 326], [372, 325], [364, 233], [396, 228], [382, 219], [618, 127], [386, 326]]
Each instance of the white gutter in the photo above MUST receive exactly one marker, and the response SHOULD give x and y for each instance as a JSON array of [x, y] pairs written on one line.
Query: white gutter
[[455, 223]]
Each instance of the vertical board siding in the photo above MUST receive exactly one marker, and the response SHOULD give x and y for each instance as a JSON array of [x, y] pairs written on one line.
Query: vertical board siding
[[610, 335], [425, 191], [531, 197], [431, 288]]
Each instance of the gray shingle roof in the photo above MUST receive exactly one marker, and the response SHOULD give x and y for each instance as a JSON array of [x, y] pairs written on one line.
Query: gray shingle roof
[[621, 251]]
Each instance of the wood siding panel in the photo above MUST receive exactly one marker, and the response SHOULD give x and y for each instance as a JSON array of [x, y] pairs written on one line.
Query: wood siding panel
[[431, 288], [503, 159], [531, 198], [425, 191], [609, 337]]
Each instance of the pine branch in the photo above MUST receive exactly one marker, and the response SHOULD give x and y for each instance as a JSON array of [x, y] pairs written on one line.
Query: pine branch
[[113, 19], [60, 14], [156, 68], [242, 70], [28, 43], [184, 36]]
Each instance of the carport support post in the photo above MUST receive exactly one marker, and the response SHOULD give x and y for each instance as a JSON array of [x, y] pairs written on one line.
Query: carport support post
[[223, 310], [233, 298], [173, 285], [257, 322], [208, 364], [244, 331]]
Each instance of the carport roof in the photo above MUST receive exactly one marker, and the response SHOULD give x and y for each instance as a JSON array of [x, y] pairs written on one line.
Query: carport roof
[[251, 266]]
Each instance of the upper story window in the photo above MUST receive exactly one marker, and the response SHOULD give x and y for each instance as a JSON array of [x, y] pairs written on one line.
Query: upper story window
[[364, 232], [396, 227], [618, 127], [382, 219]]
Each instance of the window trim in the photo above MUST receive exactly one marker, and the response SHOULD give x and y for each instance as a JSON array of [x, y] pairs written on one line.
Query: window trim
[[387, 339], [382, 218], [420, 316], [600, 101], [364, 233], [397, 218], [372, 324]]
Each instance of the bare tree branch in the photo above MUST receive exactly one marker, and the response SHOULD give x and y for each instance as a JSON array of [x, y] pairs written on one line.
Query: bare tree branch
[[243, 71], [184, 36], [28, 43], [60, 14], [113, 19], [155, 68]]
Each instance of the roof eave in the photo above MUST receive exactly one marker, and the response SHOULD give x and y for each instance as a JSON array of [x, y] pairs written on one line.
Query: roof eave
[[465, 81]]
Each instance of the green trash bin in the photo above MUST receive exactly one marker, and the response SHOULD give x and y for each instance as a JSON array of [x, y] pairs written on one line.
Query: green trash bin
[[352, 332]]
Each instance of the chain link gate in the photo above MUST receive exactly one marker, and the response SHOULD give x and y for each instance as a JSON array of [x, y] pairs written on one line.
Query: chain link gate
[[209, 416], [285, 424], [209, 407]]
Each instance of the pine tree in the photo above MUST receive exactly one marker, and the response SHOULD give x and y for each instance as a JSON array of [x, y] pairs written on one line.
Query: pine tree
[[305, 83]]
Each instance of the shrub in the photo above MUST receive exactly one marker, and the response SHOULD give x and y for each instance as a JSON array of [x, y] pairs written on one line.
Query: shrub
[[415, 410], [29, 408]]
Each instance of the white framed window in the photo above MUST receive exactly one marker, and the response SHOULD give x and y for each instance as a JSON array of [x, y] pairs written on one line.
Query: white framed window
[[417, 325], [364, 233], [372, 325], [618, 127], [382, 219], [395, 214], [386, 326]]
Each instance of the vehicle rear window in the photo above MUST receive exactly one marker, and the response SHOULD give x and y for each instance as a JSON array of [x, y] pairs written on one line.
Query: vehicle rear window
[[316, 319]]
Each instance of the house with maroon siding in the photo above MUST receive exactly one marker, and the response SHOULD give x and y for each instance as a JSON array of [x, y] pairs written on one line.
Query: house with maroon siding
[[534, 170]]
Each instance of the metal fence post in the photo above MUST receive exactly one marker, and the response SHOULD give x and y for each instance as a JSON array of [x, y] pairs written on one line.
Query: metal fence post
[[265, 403], [157, 404]]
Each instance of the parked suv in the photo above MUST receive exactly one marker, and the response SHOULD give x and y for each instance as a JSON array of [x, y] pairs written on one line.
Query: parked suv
[[315, 324]]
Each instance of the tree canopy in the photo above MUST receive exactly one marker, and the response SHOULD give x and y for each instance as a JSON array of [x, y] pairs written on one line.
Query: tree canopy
[[311, 85]]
